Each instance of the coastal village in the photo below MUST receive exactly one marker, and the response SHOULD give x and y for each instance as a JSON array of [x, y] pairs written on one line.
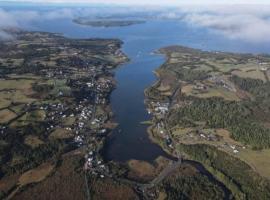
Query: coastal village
[[55, 93]]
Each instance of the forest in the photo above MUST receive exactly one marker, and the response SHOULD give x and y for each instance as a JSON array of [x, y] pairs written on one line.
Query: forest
[[243, 182], [240, 118]]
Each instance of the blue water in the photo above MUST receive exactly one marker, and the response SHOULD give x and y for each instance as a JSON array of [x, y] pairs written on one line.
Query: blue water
[[130, 140]]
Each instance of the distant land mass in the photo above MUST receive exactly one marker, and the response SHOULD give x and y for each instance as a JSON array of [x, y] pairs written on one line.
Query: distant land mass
[[107, 22]]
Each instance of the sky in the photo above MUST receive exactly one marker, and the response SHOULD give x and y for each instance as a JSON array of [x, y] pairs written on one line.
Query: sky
[[149, 2]]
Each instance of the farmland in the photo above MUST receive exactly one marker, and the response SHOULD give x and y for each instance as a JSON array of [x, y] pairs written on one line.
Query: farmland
[[53, 100], [215, 106]]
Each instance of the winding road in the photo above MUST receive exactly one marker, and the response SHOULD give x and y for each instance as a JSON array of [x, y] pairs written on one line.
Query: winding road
[[169, 169]]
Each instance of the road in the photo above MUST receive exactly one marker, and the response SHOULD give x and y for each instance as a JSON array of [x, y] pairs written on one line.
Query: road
[[87, 187], [169, 169], [165, 172]]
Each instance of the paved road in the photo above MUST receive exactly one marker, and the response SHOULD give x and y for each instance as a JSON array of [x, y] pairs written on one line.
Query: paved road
[[87, 187], [170, 168]]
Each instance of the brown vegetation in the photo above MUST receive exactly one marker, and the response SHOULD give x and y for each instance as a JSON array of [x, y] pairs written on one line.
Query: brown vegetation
[[144, 171], [107, 189], [66, 183]]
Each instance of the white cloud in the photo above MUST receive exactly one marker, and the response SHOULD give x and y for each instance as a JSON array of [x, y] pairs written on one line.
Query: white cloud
[[5, 36], [19, 18], [6, 19], [249, 23]]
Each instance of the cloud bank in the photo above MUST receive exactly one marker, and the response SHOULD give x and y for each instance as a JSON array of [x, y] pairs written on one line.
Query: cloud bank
[[248, 23], [20, 18]]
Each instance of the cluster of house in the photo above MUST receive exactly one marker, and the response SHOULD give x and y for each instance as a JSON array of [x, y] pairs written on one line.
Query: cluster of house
[[89, 126], [208, 137], [212, 137], [264, 66], [200, 86], [84, 114], [2, 129], [264, 69], [119, 53], [160, 127], [54, 112], [158, 108], [103, 88], [234, 148], [85, 120], [95, 165], [219, 81], [159, 111]]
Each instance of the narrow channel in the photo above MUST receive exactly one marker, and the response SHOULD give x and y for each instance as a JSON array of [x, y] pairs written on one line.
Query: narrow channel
[[130, 139]]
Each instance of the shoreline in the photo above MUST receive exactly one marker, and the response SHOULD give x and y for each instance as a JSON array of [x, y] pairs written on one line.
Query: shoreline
[[156, 138]]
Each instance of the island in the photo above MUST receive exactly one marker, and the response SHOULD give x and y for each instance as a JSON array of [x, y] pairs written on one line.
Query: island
[[213, 108], [107, 22]]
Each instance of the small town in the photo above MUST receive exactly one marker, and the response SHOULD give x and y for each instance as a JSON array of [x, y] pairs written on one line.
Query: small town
[[63, 103]]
